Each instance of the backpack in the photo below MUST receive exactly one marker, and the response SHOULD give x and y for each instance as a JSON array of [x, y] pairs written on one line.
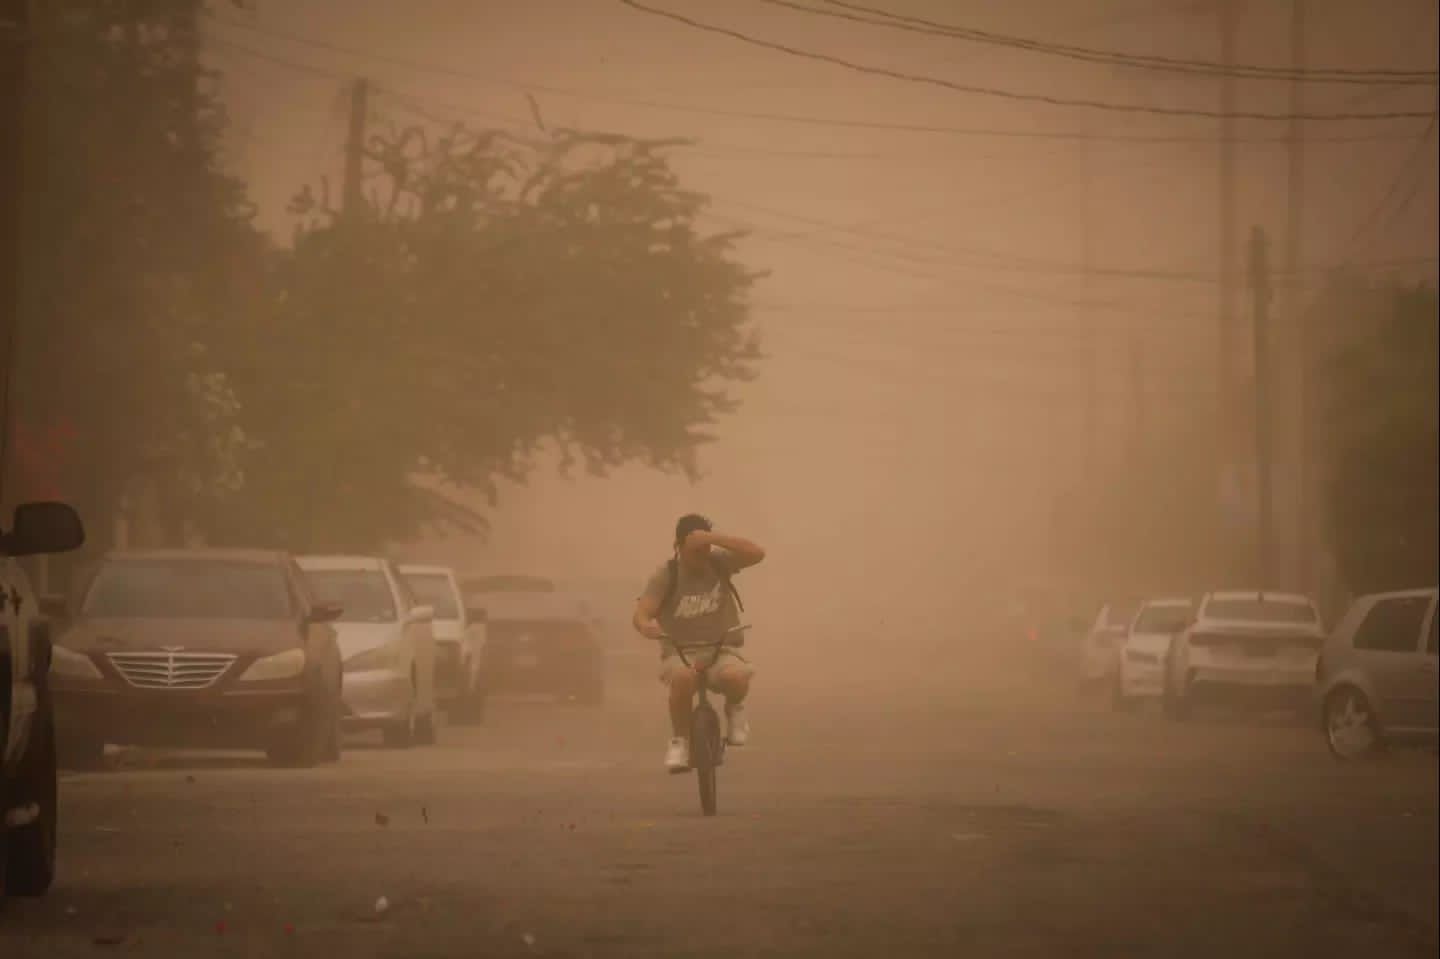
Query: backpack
[[673, 566]]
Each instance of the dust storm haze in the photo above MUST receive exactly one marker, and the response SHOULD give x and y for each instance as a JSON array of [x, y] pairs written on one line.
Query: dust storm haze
[[993, 322]]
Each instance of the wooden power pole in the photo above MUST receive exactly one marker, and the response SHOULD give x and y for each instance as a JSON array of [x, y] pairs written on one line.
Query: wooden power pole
[[354, 186], [1293, 238], [1260, 281]]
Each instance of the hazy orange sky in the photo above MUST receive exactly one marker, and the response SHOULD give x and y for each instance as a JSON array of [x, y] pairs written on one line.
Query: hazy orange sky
[[923, 394]]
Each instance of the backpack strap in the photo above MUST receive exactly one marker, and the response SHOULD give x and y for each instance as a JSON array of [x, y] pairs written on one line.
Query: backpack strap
[[673, 568]]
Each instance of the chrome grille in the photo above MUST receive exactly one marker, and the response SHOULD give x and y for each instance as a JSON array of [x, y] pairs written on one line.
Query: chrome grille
[[171, 670]]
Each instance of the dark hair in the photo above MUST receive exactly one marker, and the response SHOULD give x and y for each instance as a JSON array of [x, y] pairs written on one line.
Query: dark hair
[[688, 524]]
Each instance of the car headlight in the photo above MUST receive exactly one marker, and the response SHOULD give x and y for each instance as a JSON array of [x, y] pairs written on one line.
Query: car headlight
[[286, 665], [68, 664], [388, 656]]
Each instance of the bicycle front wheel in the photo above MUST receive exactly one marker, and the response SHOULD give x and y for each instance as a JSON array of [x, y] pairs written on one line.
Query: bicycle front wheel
[[705, 754]]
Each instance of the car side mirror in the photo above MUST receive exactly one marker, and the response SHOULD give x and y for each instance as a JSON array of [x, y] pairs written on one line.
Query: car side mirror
[[478, 614], [422, 614], [44, 527], [326, 612]]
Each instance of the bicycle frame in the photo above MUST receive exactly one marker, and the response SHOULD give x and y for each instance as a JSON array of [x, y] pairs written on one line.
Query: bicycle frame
[[707, 747]]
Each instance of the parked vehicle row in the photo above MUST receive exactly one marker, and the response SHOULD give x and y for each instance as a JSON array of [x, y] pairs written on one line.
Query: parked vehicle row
[[1370, 682]]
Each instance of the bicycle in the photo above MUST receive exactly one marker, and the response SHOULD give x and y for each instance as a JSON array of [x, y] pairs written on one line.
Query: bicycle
[[707, 742]]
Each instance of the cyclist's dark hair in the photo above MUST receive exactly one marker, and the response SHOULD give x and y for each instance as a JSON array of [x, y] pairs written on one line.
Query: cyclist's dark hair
[[688, 524]]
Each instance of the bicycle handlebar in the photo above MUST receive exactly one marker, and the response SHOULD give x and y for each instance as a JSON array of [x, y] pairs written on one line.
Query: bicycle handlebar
[[680, 648]]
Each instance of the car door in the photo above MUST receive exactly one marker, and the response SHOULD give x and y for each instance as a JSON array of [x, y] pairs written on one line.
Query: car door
[[475, 629], [419, 638], [1389, 647], [18, 697]]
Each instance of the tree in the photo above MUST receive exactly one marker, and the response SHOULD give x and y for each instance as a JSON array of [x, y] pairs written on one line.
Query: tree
[[491, 297], [139, 255], [1381, 434]]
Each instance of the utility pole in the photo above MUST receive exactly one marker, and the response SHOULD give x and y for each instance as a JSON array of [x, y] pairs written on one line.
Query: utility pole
[[1225, 410], [15, 39], [1293, 227], [1137, 400], [354, 186], [1260, 287], [1085, 320]]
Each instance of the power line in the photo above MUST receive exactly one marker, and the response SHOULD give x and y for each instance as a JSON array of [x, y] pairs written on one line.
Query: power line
[[795, 119], [1369, 76], [1015, 262], [927, 80]]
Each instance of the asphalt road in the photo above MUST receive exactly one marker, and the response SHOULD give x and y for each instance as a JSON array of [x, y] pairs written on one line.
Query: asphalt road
[[957, 823]]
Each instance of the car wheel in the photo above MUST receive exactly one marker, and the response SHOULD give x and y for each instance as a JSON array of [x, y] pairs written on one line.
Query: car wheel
[[1177, 700], [81, 752], [425, 730], [308, 743], [1352, 731], [1119, 701], [29, 856], [400, 734]]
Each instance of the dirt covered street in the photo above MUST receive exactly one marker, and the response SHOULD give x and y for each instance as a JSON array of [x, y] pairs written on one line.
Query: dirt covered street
[[962, 824]]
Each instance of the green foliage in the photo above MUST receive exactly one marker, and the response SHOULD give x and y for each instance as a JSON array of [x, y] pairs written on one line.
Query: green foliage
[[1381, 436], [488, 298], [137, 250]]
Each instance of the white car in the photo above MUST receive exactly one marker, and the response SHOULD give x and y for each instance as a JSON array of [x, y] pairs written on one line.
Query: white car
[[386, 643], [1246, 647], [1141, 672], [1101, 654], [460, 635]]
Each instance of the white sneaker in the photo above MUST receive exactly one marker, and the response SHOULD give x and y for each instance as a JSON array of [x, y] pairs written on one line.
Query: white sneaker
[[737, 727], [677, 755]]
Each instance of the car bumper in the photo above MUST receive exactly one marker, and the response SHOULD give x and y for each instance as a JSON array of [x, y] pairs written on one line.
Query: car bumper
[[374, 697], [172, 718], [1144, 680], [1276, 686]]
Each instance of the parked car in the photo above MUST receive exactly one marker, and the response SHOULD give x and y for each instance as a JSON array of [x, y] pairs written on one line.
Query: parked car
[[1376, 680], [27, 717], [1245, 647], [201, 648], [459, 641], [387, 645], [1100, 650], [1141, 669], [541, 642]]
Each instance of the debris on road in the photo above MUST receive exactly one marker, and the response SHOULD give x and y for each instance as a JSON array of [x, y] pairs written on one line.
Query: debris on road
[[381, 819]]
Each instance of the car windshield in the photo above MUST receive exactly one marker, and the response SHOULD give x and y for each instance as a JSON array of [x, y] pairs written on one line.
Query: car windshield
[[188, 589], [1167, 618], [363, 593], [433, 589], [1260, 611]]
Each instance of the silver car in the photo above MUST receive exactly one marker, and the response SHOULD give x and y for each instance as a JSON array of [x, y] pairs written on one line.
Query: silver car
[[459, 641], [1376, 681], [386, 644]]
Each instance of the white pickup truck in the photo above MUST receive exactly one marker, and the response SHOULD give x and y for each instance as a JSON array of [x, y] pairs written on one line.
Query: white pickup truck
[[27, 724]]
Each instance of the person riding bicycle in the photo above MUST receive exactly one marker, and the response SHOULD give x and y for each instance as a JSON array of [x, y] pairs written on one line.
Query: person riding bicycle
[[691, 599]]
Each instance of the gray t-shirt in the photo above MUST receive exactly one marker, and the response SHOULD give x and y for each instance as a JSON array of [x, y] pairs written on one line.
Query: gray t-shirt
[[701, 606]]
